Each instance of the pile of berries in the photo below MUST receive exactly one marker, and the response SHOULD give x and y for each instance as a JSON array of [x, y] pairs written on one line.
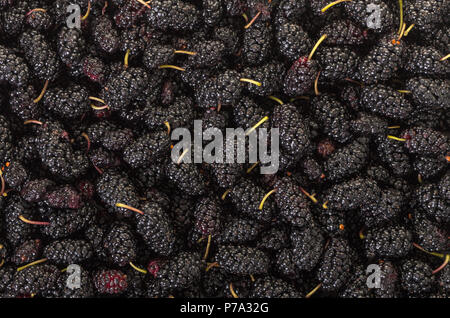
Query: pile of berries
[[91, 184]]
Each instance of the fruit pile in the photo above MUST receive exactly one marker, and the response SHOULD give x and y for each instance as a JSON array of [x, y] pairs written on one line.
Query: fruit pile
[[87, 177]]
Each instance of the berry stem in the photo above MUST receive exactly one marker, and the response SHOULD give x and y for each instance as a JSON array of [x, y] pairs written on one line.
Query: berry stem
[[172, 67], [182, 156], [127, 56], [44, 89], [251, 81], [144, 3], [211, 265], [99, 107], [184, 52], [312, 292], [393, 127], [325, 206], [253, 20], [396, 138], [97, 99], [445, 57], [232, 291], [404, 91], [425, 251], [25, 220], [252, 167], [32, 121], [143, 271], [3, 184], [121, 205], [87, 140], [400, 4], [207, 247], [167, 124], [316, 85], [437, 270], [279, 101], [408, 29], [32, 264], [87, 12], [245, 17], [322, 38], [261, 205], [313, 199], [332, 4], [224, 195], [262, 121], [36, 10]]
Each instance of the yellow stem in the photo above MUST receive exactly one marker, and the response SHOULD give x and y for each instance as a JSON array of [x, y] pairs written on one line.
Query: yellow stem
[[332, 4], [173, 67], [251, 81], [224, 195], [253, 20], [400, 3], [97, 99], [262, 121], [127, 55], [261, 205], [207, 247], [87, 12], [232, 291], [143, 271], [252, 167], [445, 57], [408, 29], [322, 38], [144, 3], [312, 292], [182, 156], [279, 101], [42, 93], [166, 123], [121, 205], [32, 264], [316, 85], [396, 138], [185, 52]]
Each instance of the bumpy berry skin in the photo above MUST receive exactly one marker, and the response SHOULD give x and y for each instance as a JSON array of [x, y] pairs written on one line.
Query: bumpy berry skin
[[177, 273], [124, 87], [430, 199], [385, 101], [416, 277], [68, 251], [257, 43], [429, 167], [300, 77], [61, 290], [207, 216], [337, 63], [357, 286], [385, 209], [146, 148], [17, 231], [33, 280], [156, 228], [292, 41], [110, 282], [382, 61], [343, 32], [271, 287], [352, 194], [394, 155], [389, 242], [6, 147], [238, 231], [13, 69], [369, 125], [186, 177], [424, 14], [173, 15], [348, 160], [27, 252], [39, 54], [69, 103], [428, 93], [248, 113], [71, 46], [307, 247], [332, 116], [246, 197], [357, 11], [22, 104], [270, 75], [157, 55], [115, 187], [293, 206], [105, 35], [121, 245], [294, 133], [335, 268], [426, 141], [208, 54], [242, 260], [212, 11], [428, 235], [422, 60], [65, 222]]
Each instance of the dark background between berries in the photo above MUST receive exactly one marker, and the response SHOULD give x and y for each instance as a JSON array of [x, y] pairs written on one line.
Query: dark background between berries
[[346, 195]]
